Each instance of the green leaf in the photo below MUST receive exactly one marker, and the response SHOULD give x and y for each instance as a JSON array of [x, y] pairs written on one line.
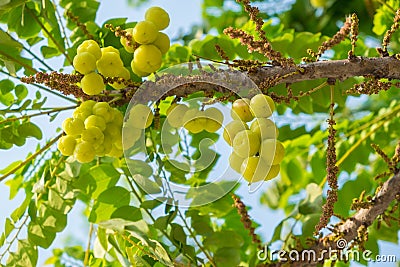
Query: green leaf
[[6, 86], [313, 201], [227, 256], [151, 204], [224, 238], [309, 223], [52, 220], [177, 233], [39, 236], [163, 221], [21, 92], [108, 202], [26, 255], [49, 52], [9, 226], [96, 180], [28, 129], [128, 213], [139, 167], [146, 184]]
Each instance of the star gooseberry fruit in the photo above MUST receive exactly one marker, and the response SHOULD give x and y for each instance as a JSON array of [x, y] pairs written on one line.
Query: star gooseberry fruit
[[246, 143], [145, 32], [66, 145], [147, 58], [255, 169], [175, 114], [84, 152], [73, 126], [241, 110], [92, 84], [84, 62], [140, 116], [232, 128], [158, 16], [91, 47], [272, 151], [262, 106]]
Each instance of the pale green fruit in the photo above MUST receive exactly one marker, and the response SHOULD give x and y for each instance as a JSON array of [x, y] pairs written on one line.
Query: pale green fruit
[[273, 172], [147, 58], [81, 114], [193, 120], [93, 135], [241, 110], [162, 42], [246, 143], [262, 106], [254, 169], [109, 49], [118, 116], [272, 151], [232, 128], [140, 116], [104, 147], [235, 161], [123, 73], [115, 152], [92, 84], [318, 3], [73, 126], [137, 71], [145, 32], [95, 121], [158, 16], [109, 64], [113, 129], [214, 119], [129, 136], [84, 152], [175, 114], [66, 145], [91, 47], [84, 62], [87, 105], [128, 45], [103, 110], [265, 128]]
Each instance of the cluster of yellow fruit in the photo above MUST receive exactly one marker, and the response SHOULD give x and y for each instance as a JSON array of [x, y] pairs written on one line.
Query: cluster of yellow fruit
[[150, 42], [257, 153], [140, 117], [194, 120], [107, 61], [94, 130]]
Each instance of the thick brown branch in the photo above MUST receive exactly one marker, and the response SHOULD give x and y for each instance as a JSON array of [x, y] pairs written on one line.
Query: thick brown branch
[[387, 67], [349, 229]]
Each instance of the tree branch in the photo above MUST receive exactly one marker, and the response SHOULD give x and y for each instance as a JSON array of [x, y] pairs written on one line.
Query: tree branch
[[382, 67], [349, 229]]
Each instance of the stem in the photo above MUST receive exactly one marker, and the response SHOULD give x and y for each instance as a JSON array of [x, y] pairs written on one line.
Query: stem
[[36, 114], [87, 252], [38, 59], [17, 61], [152, 217], [43, 88], [33, 156], [49, 35], [387, 5], [60, 22], [14, 237]]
